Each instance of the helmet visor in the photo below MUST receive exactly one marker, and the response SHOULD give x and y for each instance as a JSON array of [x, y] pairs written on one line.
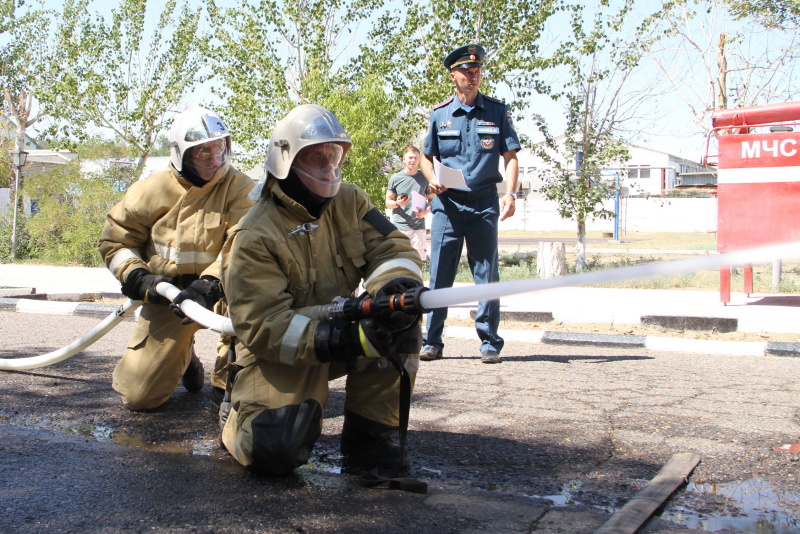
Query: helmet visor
[[319, 167], [207, 158]]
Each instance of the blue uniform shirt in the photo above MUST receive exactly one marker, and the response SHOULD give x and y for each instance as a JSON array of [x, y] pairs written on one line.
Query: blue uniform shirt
[[472, 141]]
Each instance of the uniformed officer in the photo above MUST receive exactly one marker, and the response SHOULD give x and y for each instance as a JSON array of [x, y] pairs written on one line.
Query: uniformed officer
[[308, 239], [171, 228], [470, 132]]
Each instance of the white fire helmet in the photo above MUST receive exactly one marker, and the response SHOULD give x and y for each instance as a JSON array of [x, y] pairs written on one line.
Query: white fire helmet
[[315, 135], [196, 126]]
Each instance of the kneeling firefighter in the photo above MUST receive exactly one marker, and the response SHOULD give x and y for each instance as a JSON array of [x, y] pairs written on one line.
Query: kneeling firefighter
[[309, 239], [171, 227]]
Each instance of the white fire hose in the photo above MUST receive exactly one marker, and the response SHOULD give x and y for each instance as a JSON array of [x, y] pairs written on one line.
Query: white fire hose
[[437, 298], [192, 309]]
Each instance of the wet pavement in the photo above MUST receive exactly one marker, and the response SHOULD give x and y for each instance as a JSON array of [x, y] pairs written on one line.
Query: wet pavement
[[554, 439]]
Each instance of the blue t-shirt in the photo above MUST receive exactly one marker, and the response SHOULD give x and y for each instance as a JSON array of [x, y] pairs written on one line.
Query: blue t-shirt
[[401, 183], [472, 141]]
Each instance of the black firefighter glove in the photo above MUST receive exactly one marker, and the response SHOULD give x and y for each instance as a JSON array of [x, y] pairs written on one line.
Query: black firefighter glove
[[141, 285], [206, 291], [339, 341], [397, 320]]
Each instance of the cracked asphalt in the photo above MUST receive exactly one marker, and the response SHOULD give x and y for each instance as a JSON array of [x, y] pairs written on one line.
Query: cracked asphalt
[[553, 439]]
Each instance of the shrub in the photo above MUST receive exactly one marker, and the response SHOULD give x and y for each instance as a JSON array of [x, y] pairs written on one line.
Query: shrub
[[71, 212]]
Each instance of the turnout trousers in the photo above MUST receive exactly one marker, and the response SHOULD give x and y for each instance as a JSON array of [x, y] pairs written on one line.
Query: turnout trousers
[[277, 410], [156, 356]]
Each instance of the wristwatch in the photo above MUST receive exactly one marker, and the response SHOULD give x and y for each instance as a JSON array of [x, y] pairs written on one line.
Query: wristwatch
[[512, 193]]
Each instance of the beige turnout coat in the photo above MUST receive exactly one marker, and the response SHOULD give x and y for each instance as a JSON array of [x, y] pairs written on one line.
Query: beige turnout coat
[[172, 228]]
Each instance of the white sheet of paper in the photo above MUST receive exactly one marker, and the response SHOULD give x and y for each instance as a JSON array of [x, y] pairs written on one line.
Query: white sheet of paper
[[419, 202], [448, 176]]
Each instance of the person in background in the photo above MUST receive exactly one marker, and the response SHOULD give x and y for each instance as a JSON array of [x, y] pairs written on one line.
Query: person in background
[[469, 132], [407, 216], [171, 227]]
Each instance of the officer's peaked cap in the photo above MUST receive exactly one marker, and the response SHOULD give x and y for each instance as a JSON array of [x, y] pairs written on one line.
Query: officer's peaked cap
[[464, 57]]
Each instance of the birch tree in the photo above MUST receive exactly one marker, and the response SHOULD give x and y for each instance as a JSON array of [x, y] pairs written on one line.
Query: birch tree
[[109, 74], [601, 99], [719, 54]]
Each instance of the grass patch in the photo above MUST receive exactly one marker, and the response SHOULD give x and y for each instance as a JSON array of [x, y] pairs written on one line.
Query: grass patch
[[521, 264]]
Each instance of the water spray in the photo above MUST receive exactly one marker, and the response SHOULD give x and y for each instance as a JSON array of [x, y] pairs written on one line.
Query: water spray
[[420, 300]]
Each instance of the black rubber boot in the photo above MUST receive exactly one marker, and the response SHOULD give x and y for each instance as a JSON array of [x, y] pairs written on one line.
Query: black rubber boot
[[194, 375], [367, 444]]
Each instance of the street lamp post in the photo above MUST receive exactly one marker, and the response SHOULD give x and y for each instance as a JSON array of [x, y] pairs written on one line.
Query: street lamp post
[[18, 159]]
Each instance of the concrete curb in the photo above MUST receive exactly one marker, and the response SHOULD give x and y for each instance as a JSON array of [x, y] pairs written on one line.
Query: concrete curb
[[44, 304], [52, 307]]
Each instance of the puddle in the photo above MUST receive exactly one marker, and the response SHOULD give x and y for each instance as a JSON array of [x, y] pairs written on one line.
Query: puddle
[[105, 434], [758, 507], [761, 509], [200, 448]]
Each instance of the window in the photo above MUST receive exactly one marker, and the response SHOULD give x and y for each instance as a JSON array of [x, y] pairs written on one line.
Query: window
[[638, 172]]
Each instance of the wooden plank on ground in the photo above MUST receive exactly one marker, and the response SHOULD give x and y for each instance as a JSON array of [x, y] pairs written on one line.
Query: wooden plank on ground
[[638, 510]]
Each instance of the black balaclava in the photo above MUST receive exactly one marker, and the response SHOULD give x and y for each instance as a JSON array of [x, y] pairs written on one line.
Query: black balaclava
[[295, 190], [188, 171]]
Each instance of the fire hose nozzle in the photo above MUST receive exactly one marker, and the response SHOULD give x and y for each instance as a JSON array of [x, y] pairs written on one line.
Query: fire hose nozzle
[[353, 309]]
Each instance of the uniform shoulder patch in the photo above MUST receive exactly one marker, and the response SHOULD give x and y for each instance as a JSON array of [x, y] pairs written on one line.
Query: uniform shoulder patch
[[495, 100], [379, 221], [443, 103]]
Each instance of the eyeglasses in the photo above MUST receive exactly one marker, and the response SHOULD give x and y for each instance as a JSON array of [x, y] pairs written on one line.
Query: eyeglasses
[[214, 149]]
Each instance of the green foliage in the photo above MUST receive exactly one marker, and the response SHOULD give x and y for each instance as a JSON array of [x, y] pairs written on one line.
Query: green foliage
[[407, 47], [108, 74], [23, 242], [782, 14], [71, 213], [365, 114], [271, 55], [600, 63]]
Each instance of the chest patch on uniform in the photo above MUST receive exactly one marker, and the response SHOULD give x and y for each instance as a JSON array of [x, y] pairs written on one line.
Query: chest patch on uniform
[[487, 142], [379, 221]]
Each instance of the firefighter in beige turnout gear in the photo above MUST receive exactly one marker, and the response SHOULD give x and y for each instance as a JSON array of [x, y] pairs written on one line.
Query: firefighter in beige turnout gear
[[171, 227], [308, 239]]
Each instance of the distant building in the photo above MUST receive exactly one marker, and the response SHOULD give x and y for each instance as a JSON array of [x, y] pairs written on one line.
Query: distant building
[[648, 172]]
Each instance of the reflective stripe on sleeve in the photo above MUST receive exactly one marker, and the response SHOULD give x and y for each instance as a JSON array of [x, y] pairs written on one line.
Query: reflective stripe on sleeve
[[190, 257], [394, 264], [291, 339], [121, 257]]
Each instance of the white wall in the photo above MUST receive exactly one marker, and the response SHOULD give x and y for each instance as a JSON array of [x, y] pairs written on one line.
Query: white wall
[[636, 215]]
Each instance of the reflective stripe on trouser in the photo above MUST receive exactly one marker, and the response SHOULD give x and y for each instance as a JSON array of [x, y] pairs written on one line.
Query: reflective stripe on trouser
[[262, 386], [156, 357], [453, 223]]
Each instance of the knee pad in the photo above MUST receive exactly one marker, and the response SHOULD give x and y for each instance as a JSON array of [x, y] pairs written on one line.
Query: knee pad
[[283, 437]]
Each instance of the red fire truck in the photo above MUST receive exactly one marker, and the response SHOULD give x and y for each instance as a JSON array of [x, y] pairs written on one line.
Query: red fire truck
[[758, 180]]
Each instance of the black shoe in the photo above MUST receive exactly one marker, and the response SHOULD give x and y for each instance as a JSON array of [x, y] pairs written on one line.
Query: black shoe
[[194, 375]]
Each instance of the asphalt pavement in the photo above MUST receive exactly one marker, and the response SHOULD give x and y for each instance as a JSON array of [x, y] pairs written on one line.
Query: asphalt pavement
[[553, 440], [82, 290]]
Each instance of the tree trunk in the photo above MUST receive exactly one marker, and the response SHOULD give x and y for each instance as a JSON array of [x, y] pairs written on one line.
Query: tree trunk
[[580, 262], [722, 73]]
